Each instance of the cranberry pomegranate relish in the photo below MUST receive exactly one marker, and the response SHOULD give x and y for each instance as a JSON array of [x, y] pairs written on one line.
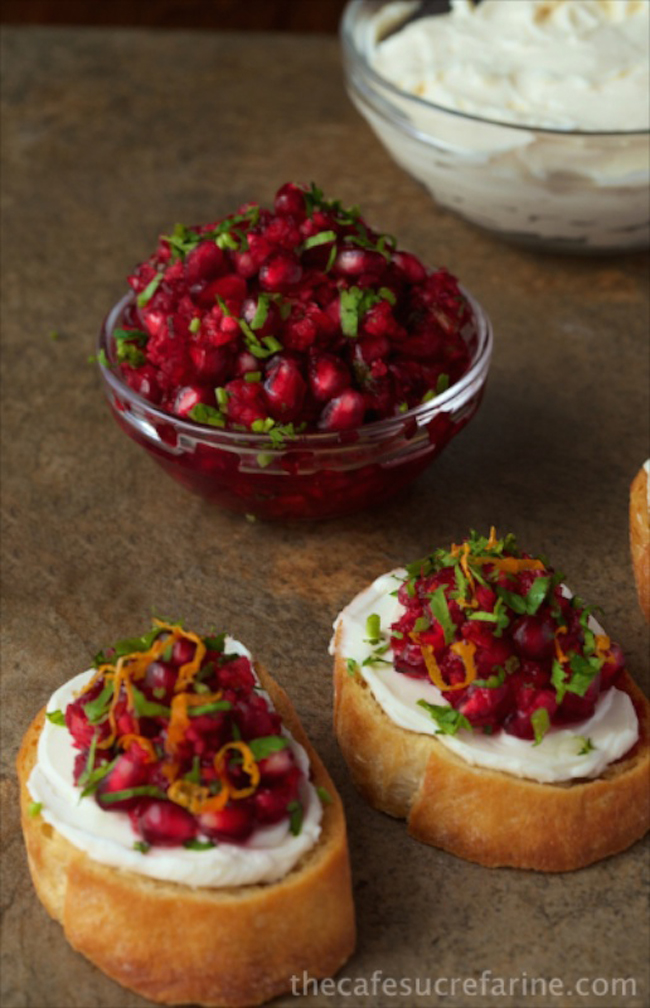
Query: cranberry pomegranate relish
[[498, 635], [175, 731], [299, 318]]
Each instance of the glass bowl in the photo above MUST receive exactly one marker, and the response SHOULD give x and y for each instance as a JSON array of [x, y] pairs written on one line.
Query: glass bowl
[[546, 188], [311, 476]]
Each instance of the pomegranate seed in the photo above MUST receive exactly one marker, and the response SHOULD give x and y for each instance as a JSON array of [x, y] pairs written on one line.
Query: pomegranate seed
[[285, 389], [189, 397], [355, 261], [328, 376], [290, 199], [183, 651], [276, 765], [534, 636], [127, 773], [233, 822], [204, 262], [281, 273], [165, 824], [344, 412], [211, 363], [160, 678]]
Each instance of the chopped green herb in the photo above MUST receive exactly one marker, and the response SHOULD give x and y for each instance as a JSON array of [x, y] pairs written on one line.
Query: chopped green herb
[[267, 744], [324, 795], [493, 681], [421, 624], [144, 790], [99, 358], [202, 413], [373, 629], [195, 325], [440, 610], [34, 808], [442, 383], [209, 708], [322, 238], [148, 708], [57, 717], [585, 745], [449, 720], [215, 643], [141, 845], [295, 811], [145, 296], [253, 376], [541, 723], [222, 396], [352, 666], [199, 844], [95, 775], [97, 708]]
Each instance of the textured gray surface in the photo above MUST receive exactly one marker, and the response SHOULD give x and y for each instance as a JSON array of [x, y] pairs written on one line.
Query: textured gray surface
[[109, 138]]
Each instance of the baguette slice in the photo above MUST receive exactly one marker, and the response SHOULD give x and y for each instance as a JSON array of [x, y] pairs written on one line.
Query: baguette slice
[[489, 816], [640, 537], [175, 944]]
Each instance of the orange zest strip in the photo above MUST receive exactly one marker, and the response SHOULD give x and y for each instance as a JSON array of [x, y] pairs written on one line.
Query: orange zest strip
[[126, 741], [187, 671], [465, 651], [217, 802], [179, 721], [559, 653], [603, 645], [191, 796], [249, 766], [492, 541], [511, 565]]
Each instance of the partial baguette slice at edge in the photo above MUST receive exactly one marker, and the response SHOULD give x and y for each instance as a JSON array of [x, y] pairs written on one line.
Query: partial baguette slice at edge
[[175, 944], [640, 538], [488, 816]]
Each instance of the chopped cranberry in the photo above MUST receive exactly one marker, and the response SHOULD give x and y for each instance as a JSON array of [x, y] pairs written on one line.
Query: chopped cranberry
[[165, 824]]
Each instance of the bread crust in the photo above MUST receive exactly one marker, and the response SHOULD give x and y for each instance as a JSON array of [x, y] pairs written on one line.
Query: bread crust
[[174, 944], [640, 538], [489, 816]]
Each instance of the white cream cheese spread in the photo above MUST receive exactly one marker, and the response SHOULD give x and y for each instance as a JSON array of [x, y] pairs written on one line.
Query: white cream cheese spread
[[108, 837], [612, 729], [558, 64], [527, 117]]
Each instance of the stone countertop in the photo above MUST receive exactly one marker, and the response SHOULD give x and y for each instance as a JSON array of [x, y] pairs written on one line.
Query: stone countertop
[[110, 136]]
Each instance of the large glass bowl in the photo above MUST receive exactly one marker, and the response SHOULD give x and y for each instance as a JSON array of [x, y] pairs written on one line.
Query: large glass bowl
[[314, 475], [559, 190]]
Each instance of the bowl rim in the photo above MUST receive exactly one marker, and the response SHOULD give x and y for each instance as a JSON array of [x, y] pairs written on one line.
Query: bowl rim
[[479, 367], [349, 19]]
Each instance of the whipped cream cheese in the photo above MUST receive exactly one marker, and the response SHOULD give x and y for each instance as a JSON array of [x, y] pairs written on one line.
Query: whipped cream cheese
[[108, 837], [612, 729], [558, 64], [558, 89]]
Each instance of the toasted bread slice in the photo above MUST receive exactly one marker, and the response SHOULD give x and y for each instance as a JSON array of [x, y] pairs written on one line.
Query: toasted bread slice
[[175, 944], [489, 816], [640, 537]]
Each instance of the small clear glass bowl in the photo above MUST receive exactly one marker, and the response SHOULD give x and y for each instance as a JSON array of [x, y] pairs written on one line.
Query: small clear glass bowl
[[312, 476], [562, 191]]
